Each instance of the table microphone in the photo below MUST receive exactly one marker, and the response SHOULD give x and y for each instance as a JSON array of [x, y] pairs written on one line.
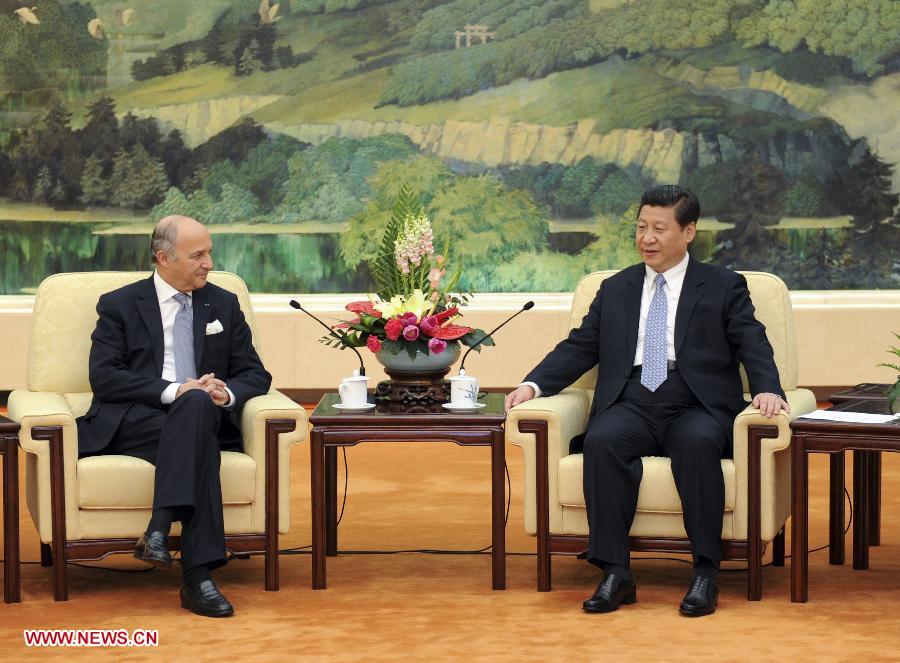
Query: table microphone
[[341, 337], [526, 307]]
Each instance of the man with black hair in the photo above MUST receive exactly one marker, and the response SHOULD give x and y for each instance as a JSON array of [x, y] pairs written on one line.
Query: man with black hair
[[667, 336]]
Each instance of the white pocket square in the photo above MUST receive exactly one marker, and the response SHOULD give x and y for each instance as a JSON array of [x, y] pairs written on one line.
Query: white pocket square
[[214, 327]]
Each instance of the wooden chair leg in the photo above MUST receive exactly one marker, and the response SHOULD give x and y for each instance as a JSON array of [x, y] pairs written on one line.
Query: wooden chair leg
[[274, 427], [542, 488], [755, 434], [778, 549], [54, 437]]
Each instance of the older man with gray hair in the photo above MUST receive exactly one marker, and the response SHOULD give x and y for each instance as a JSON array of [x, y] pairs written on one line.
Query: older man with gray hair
[[171, 366]]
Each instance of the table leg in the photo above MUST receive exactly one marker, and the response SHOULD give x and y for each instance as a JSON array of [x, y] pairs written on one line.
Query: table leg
[[11, 585], [799, 524], [317, 490], [498, 502], [836, 511], [860, 511], [331, 501], [874, 498]]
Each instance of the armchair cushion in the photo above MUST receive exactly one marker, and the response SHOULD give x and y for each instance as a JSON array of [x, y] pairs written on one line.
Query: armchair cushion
[[657, 493], [126, 482]]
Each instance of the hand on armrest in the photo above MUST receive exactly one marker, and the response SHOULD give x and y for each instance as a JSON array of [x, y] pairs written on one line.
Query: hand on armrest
[[566, 415]]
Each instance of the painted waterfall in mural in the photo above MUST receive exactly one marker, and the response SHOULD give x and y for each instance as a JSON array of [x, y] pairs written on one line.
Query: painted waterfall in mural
[[528, 127]]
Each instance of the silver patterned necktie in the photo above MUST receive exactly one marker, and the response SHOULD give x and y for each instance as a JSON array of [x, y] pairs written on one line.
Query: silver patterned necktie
[[654, 370], [183, 340]]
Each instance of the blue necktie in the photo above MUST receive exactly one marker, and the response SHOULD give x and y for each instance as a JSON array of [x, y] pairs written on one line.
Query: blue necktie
[[655, 370], [183, 340]]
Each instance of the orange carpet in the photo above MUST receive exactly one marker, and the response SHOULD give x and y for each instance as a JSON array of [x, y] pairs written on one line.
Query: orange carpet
[[441, 607]]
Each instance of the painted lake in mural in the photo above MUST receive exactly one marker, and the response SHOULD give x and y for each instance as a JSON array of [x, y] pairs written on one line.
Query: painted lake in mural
[[297, 263], [272, 261]]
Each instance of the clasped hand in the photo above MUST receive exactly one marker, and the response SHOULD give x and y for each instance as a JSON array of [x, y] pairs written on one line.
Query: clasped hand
[[210, 384]]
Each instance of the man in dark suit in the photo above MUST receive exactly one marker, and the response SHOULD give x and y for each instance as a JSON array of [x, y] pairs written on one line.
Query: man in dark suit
[[667, 336], [171, 366]]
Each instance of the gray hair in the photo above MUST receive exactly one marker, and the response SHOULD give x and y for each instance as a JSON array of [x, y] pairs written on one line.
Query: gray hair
[[163, 239]]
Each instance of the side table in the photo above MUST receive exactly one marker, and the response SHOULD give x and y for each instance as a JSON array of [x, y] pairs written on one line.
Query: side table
[[835, 437], [9, 447], [399, 422]]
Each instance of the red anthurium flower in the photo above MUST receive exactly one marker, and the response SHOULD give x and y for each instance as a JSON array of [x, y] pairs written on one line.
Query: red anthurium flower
[[451, 332], [444, 315], [364, 306]]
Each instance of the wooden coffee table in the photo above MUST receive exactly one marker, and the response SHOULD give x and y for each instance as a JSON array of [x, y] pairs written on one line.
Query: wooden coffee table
[[9, 447], [398, 422], [835, 437]]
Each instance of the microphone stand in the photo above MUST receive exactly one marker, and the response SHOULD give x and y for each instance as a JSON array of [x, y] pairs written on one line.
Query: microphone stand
[[528, 306], [342, 337]]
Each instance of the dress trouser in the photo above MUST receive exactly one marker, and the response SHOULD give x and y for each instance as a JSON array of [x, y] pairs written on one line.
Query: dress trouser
[[181, 441], [668, 422]]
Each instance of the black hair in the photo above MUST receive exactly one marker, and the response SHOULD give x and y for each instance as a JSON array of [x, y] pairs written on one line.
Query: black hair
[[686, 204]]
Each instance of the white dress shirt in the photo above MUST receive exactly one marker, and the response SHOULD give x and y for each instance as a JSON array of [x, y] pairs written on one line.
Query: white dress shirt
[[168, 309], [674, 280]]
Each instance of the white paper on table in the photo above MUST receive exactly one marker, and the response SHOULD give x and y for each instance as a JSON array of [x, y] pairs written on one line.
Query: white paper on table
[[850, 417]]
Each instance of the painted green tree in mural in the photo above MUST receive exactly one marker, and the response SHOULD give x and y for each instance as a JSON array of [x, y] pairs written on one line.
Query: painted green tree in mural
[[756, 203], [863, 30], [874, 240]]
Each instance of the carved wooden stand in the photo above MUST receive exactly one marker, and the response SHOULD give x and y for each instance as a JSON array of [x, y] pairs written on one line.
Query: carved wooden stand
[[414, 387]]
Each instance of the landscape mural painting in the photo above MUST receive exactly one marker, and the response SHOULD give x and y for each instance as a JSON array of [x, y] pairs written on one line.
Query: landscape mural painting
[[528, 128]]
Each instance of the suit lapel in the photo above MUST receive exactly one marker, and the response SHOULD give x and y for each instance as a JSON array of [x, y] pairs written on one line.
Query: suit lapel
[[201, 308], [691, 292], [148, 308], [632, 307]]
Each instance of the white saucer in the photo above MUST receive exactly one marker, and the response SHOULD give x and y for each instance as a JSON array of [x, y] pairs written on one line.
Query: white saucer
[[463, 407], [358, 408]]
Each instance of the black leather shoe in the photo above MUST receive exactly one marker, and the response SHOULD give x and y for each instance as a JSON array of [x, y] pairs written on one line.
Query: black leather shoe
[[701, 598], [613, 591], [205, 599], [153, 548]]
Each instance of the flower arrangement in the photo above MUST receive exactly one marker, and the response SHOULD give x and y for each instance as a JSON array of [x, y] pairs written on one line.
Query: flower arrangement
[[893, 391], [414, 308]]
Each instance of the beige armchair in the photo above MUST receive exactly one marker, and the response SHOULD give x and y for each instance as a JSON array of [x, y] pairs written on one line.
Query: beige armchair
[[85, 509], [757, 480]]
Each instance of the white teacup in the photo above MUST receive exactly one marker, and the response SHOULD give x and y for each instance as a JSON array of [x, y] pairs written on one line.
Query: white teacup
[[354, 390], [463, 390]]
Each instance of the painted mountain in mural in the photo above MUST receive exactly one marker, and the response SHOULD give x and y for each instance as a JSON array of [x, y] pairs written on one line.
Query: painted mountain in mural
[[528, 127]]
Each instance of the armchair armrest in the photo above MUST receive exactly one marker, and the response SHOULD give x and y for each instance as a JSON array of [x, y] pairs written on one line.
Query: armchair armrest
[[43, 416], [762, 474], [273, 419], [565, 416], [273, 405], [801, 401]]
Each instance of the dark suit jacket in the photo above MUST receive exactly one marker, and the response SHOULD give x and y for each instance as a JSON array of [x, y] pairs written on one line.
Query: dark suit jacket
[[715, 329], [126, 358]]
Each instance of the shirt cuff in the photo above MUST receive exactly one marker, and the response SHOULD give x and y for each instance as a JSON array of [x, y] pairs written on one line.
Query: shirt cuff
[[537, 389], [169, 393], [231, 401]]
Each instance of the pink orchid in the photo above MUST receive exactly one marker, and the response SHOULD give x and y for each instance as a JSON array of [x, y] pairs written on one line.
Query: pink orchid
[[434, 277]]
